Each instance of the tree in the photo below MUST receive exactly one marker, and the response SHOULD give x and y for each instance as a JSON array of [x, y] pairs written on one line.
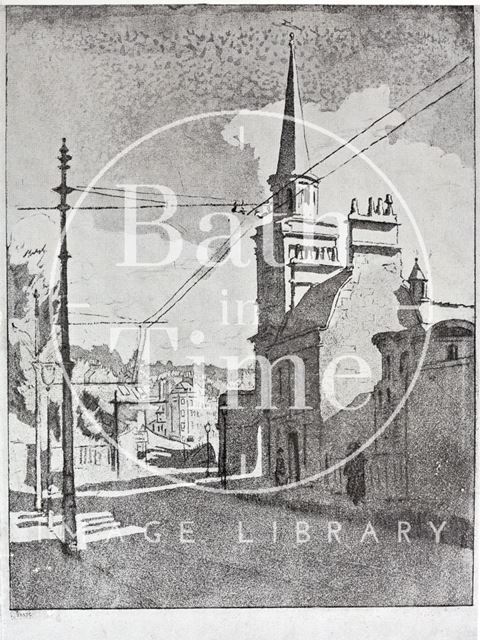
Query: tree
[[93, 421]]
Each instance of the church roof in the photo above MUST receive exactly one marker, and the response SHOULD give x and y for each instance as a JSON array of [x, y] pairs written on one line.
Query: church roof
[[315, 307], [293, 157]]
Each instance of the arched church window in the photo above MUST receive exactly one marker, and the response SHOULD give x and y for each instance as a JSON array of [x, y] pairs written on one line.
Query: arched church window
[[380, 401], [403, 362], [387, 366], [452, 352], [290, 200]]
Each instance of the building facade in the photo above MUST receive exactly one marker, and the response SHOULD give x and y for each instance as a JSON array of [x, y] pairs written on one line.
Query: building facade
[[316, 363], [183, 411]]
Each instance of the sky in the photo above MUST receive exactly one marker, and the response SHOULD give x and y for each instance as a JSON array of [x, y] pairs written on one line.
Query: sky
[[104, 77]]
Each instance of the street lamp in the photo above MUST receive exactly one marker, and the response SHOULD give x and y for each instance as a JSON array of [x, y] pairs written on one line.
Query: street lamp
[[47, 371], [208, 428]]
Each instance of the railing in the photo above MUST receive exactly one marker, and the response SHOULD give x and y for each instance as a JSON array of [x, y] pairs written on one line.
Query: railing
[[313, 254], [95, 455]]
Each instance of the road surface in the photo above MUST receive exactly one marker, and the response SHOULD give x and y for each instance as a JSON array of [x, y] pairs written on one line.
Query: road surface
[[207, 561]]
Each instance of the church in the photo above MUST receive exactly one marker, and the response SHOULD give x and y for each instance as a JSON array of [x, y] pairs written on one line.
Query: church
[[320, 305]]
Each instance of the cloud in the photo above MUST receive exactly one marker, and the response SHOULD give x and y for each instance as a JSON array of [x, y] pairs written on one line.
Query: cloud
[[436, 186]]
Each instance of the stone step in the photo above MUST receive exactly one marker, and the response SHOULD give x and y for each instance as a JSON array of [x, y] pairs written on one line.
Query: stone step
[[38, 523], [100, 527], [94, 521], [92, 515]]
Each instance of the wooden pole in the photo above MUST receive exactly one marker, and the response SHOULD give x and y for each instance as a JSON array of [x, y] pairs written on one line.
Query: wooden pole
[[38, 442], [115, 416]]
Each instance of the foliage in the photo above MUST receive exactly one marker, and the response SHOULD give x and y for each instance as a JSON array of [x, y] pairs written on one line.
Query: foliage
[[87, 426]]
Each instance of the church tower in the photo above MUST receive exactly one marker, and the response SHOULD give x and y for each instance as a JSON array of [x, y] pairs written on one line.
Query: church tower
[[294, 250]]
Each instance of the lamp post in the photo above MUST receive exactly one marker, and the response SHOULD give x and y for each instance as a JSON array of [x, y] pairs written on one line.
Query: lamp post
[[208, 428], [69, 504], [47, 372]]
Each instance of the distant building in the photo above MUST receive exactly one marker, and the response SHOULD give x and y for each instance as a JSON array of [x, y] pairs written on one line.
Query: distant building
[[183, 411]]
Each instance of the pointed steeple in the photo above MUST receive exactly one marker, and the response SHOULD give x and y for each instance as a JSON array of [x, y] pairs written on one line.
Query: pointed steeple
[[417, 273], [293, 195], [418, 284], [293, 157]]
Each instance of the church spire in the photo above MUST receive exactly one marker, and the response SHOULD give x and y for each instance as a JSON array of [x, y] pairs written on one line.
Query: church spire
[[293, 157], [293, 195]]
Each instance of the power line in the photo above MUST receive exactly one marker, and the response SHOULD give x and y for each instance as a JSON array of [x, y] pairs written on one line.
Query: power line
[[158, 202], [148, 193], [257, 206], [113, 322], [142, 206], [389, 133], [223, 250]]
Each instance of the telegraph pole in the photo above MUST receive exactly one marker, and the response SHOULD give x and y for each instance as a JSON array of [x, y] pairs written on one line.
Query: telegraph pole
[[69, 502], [116, 452], [38, 444]]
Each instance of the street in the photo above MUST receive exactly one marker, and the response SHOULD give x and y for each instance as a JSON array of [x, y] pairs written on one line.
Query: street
[[287, 563]]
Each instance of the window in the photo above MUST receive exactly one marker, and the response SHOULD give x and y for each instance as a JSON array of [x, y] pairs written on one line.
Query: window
[[452, 352], [387, 408], [290, 199], [183, 412], [403, 362], [304, 444], [388, 367], [183, 400], [291, 381]]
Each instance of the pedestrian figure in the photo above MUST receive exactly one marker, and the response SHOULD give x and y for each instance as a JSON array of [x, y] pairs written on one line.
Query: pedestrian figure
[[355, 472], [280, 469]]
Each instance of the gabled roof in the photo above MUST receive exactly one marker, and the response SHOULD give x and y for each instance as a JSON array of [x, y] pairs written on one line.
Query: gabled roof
[[184, 385], [315, 307]]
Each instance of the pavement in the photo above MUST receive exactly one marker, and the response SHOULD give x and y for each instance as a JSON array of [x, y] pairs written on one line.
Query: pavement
[[236, 553]]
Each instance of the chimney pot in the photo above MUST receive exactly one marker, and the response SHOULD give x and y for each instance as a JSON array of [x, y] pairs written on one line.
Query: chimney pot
[[354, 207], [389, 201], [380, 211], [370, 207]]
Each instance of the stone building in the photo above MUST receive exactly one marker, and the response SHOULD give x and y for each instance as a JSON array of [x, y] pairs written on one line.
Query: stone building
[[316, 364], [427, 393], [317, 315], [183, 410]]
